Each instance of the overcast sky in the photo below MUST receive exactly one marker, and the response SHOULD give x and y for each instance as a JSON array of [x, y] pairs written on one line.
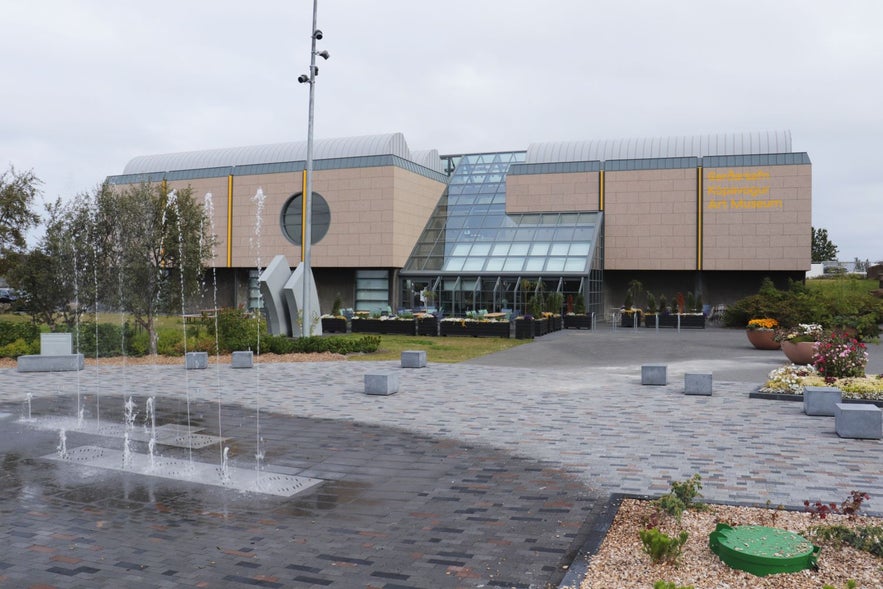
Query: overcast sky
[[89, 84]]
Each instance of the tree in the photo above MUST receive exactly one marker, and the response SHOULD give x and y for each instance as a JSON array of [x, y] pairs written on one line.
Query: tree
[[823, 250], [156, 242], [129, 249], [18, 190]]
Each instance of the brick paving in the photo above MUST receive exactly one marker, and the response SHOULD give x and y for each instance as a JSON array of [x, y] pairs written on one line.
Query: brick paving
[[482, 474]]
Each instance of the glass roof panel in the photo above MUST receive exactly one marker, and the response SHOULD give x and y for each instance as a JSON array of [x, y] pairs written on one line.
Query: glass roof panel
[[469, 231]]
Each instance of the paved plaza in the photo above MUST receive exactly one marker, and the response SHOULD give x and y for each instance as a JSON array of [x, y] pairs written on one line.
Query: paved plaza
[[482, 474]]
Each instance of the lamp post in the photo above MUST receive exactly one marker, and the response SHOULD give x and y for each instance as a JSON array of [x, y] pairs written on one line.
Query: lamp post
[[307, 196]]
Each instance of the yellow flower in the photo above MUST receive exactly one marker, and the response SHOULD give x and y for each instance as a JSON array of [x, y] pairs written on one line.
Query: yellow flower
[[761, 324]]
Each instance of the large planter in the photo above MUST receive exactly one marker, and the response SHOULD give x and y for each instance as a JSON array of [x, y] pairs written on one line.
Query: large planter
[[475, 328], [577, 322], [427, 325], [524, 329], [629, 319], [540, 327], [333, 324], [800, 352], [556, 323], [397, 326], [762, 339]]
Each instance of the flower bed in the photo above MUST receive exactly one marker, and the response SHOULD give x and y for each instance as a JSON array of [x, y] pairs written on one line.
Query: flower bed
[[333, 324], [427, 325], [791, 380]]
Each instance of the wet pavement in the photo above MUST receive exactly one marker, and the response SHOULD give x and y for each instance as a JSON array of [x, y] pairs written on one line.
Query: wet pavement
[[481, 474]]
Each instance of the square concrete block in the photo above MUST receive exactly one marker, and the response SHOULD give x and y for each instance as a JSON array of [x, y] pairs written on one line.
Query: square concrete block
[[242, 359], [858, 420], [697, 384], [654, 374], [820, 400], [414, 359], [196, 360], [382, 383]]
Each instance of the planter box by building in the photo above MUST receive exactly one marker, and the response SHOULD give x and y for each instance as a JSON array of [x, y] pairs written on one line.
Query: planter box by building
[[333, 324], [474, 328], [427, 326], [858, 420], [398, 326], [556, 323], [577, 322], [540, 327], [628, 319], [524, 328], [821, 400]]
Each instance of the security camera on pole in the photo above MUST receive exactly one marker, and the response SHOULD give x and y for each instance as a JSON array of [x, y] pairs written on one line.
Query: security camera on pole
[[307, 198]]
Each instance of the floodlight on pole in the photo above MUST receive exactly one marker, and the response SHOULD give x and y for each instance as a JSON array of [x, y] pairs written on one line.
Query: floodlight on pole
[[307, 196]]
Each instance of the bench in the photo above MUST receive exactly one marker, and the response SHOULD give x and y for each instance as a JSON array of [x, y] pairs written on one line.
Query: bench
[[381, 383], [858, 420]]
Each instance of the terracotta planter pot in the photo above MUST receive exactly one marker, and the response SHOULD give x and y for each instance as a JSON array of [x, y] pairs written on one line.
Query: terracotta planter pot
[[799, 353], [762, 340]]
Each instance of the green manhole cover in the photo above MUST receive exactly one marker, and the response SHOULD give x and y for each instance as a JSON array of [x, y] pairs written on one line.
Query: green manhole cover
[[762, 551]]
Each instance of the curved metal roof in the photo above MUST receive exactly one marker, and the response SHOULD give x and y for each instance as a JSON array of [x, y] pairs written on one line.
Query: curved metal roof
[[369, 145], [754, 142], [428, 158]]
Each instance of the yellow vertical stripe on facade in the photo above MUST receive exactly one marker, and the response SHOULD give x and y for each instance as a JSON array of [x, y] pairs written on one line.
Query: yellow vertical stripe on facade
[[699, 219], [601, 190], [230, 221], [303, 216]]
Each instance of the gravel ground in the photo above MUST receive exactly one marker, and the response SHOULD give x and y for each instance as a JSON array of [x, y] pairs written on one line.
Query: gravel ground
[[621, 562]]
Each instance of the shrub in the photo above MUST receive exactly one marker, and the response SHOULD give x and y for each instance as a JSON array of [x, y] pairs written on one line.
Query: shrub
[[866, 538], [839, 356], [660, 546], [112, 339], [19, 347], [236, 330], [169, 342], [681, 496], [12, 331]]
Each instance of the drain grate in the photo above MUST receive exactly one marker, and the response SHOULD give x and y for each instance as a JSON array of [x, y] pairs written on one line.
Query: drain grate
[[170, 434], [240, 479]]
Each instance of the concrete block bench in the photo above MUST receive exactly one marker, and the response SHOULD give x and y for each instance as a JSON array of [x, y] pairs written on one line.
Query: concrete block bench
[[414, 359], [858, 420], [196, 360], [821, 400], [697, 384], [56, 355], [242, 359], [381, 383], [654, 374]]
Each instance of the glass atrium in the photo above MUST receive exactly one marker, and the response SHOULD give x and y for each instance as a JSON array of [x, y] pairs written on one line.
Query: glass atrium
[[473, 256]]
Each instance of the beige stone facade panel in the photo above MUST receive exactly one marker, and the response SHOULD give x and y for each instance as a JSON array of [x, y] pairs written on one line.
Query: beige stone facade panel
[[538, 193], [650, 220], [770, 207], [218, 189]]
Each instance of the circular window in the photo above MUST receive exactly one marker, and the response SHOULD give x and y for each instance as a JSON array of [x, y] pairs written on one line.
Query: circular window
[[291, 220]]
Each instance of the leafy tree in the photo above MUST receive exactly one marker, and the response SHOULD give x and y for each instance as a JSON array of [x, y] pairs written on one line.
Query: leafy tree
[[823, 249], [129, 248], [156, 242], [18, 190]]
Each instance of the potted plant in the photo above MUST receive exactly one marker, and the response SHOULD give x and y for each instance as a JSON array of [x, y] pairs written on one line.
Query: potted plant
[[799, 342], [524, 327], [762, 333]]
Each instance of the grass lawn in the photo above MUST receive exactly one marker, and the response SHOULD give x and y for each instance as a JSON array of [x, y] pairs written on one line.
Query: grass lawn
[[842, 285], [438, 349]]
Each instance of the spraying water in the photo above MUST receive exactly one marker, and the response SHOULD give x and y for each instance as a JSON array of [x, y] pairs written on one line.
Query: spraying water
[[62, 444], [225, 469], [127, 453], [258, 199], [173, 198], [77, 320], [130, 414], [150, 419], [29, 397], [210, 213], [95, 314]]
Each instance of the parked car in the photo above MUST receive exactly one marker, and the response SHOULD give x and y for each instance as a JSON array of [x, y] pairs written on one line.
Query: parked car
[[8, 295]]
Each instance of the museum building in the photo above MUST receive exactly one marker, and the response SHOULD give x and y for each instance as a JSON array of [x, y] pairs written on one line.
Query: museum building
[[708, 214]]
